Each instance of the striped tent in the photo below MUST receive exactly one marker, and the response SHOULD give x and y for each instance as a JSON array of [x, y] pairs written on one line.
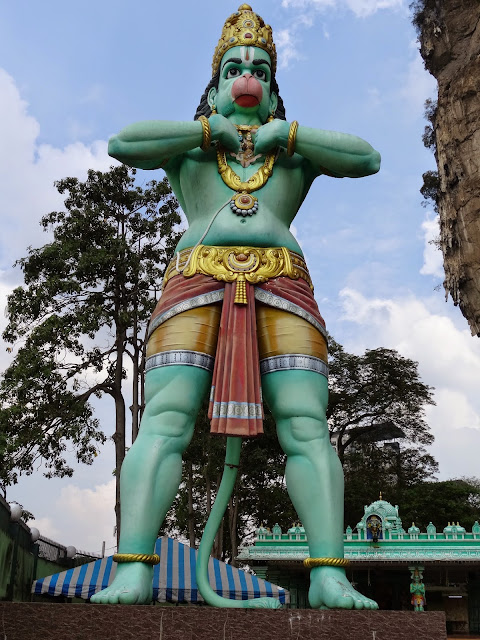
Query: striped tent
[[173, 579]]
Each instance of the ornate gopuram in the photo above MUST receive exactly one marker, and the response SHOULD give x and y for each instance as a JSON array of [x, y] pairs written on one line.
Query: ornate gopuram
[[402, 569]]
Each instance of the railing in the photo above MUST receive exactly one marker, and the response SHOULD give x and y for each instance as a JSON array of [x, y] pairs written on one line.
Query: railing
[[54, 551]]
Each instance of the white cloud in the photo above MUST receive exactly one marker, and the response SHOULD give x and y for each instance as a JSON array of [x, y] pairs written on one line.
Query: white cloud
[[449, 360], [432, 256], [361, 8], [47, 528], [287, 50], [28, 170], [416, 85], [95, 94], [81, 517]]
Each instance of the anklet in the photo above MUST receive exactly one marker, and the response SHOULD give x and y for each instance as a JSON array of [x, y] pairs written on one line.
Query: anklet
[[311, 563], [137, 557]]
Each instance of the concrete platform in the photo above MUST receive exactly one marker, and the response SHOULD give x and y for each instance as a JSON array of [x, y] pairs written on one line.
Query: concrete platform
[[33, 621]]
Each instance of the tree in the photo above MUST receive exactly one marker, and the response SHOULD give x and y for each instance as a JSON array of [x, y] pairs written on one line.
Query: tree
[[83, 308], [379, 389], [455, 500], [388, 468]]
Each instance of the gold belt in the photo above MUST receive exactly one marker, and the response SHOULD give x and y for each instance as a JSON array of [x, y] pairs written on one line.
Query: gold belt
[[240, 265]]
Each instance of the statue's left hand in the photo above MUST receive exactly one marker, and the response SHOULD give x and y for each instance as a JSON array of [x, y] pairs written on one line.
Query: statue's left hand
[[271, 135], [224, 131]]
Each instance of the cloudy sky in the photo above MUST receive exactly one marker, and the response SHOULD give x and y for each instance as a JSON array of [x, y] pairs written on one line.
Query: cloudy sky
[[71, 75]]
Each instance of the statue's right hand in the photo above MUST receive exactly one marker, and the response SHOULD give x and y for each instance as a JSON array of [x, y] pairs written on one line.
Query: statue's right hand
[[224, 131]]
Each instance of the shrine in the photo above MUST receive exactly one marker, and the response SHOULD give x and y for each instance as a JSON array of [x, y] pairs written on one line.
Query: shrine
[[433, 570]]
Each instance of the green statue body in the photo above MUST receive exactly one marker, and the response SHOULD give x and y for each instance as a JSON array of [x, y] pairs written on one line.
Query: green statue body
[[151, 472]]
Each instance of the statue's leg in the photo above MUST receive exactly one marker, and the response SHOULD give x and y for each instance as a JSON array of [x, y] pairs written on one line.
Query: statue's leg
[[298, 400], [152, 471]]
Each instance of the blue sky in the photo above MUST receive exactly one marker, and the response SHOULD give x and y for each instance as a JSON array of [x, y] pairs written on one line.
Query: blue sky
[[72, 74]]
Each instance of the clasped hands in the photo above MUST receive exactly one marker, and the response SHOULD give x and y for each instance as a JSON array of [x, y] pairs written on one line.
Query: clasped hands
[[267, 137]]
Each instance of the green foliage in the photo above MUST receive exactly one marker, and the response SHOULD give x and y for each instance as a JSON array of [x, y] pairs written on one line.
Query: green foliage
[[393, 470], [418, 15], [378, 387], [428, 137], [456, 500], [86, 299], [372, 395], [430, 189]]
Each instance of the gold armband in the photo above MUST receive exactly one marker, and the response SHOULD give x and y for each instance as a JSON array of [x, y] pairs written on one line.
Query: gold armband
[[137, 557], [311, 563], [207, 133], [292, 138]]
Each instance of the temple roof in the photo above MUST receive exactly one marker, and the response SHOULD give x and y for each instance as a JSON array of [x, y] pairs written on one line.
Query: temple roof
[[378, 537]]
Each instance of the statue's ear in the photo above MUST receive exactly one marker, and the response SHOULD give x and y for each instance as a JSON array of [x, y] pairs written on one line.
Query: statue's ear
[[273, 103], [211, 97]]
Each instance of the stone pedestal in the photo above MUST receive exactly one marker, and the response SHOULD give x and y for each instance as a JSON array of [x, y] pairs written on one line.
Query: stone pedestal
[[32, 621]]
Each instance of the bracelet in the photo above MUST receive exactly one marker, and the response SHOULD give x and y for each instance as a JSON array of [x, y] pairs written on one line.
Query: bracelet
[[292, 137], [311, 563], [137, 557], [206, 132]]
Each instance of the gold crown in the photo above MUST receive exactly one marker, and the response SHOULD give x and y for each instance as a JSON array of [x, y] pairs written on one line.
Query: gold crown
[[245, 28]]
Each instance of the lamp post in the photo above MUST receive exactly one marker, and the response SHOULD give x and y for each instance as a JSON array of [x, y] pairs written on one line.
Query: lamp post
[[15, 516]]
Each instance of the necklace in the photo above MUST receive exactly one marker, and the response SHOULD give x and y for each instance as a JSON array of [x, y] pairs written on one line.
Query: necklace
[[242, 202]]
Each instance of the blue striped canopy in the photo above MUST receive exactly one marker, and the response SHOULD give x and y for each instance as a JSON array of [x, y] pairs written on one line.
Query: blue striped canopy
[[173, 579]]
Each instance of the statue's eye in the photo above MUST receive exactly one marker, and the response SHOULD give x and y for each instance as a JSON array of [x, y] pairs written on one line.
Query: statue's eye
[[259, 74], [233, 73]]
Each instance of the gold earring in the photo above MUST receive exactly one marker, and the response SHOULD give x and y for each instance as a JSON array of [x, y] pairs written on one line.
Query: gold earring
[[213, 109]]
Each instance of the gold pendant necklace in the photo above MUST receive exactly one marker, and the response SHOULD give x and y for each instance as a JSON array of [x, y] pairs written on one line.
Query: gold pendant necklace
[[243, 203]]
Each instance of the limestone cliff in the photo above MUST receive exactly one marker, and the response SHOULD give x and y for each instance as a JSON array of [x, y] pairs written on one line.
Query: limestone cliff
[[449, 33]]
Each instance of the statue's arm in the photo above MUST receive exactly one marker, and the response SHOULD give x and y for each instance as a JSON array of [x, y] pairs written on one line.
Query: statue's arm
[[338, 154], [153, 143]]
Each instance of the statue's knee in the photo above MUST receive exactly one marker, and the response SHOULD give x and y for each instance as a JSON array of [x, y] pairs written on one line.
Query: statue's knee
[[307, 419], [307, 429], [168, 422]]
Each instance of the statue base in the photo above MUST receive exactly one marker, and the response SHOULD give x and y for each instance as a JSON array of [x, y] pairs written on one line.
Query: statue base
[[31, 621]]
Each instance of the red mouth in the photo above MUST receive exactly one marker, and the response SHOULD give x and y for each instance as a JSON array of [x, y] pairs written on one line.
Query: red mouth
[[247, 100]]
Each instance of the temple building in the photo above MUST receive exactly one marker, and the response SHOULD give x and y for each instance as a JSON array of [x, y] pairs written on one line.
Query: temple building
[[400, 569]]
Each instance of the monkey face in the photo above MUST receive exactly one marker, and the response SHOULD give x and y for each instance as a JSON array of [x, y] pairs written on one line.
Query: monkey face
[[244, 84]]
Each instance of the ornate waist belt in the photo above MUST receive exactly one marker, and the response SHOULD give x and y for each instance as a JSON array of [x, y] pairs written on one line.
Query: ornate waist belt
[[239, 265]]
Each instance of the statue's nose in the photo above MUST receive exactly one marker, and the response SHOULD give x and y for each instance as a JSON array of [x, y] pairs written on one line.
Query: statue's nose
[[247, 76]]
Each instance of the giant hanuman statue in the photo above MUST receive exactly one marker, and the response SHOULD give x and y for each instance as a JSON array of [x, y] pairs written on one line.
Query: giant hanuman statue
[[237, 318]]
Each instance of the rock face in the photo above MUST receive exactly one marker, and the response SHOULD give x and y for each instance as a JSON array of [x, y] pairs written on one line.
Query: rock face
[[450, 47]]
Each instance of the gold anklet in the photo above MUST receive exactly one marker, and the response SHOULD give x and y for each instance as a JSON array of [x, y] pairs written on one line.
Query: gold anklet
[[137, 557], [206, 133], [311, 563], [292, 138]]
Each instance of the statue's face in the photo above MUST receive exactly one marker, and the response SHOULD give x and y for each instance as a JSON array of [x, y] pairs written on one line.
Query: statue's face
[[244, 84]]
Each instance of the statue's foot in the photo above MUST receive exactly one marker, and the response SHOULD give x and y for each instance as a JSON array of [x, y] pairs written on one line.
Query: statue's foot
[[132, 585], [330, 589]]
